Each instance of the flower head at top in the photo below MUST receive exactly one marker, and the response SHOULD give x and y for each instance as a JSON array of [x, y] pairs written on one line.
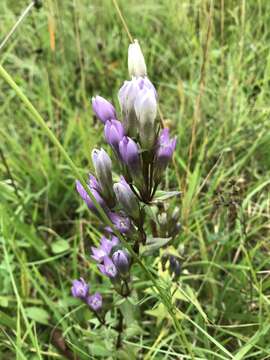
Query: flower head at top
[[127, 198], [136, 62]]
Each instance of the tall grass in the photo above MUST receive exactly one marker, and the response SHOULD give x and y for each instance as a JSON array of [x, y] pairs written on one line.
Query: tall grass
[[209, 61]]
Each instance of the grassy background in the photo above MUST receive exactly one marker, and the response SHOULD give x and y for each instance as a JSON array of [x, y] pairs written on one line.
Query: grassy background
[[210, 63]]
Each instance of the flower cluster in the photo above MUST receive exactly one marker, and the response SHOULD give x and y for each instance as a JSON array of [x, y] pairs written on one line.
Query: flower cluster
[[112, 262], [81, 290], [143, 151]]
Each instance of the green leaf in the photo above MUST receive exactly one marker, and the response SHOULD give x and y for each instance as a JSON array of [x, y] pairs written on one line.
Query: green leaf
[[154, 244], [165, 195], [38, 314], [8, 321], [59, 246]]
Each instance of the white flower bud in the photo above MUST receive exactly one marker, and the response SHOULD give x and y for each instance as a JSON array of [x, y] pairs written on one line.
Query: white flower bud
[[136, 63], [146, 112]]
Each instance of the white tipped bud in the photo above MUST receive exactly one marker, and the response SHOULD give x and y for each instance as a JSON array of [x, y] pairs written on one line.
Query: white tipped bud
[[136, 63], [103, 168], [146, 112]]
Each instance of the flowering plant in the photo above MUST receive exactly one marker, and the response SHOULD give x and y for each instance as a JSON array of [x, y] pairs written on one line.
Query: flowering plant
[[132, 203]]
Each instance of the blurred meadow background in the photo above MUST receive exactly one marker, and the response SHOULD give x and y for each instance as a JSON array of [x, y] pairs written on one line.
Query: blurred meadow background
[[210, 63]]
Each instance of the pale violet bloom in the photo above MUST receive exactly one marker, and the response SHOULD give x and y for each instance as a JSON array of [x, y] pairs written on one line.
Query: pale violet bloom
[[94, 301], [108, 268], [105, 248], [79, 289]]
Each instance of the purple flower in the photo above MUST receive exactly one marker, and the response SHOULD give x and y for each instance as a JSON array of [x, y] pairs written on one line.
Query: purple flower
[[114, 133], [129, 153], [165, 149], [121, 222], [104, 249], [103, 109], [86, 198], [103, 168], [108, 268], [94, 301], [127, 198], [121, 260], [79, 288]]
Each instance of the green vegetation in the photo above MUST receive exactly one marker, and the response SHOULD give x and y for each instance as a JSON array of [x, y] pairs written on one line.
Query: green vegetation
[[210, 63]]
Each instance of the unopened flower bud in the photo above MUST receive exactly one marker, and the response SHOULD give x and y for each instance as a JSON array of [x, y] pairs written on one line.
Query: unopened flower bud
[[136, 63], [114, 133], [86, 198], [103, 109], [121, 260], [103, 168], [165, 149], [79, 289], [146, 112], [94, 301], [129, 152], [127, 198]]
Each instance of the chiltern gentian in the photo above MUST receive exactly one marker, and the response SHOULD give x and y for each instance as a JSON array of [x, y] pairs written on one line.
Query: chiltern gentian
[[114, 133], [87, 198], [103, 109], [94, 301], [121, 222], [129, 152], [121, 260], [104, 249], [103, 168], [79, 288], [165, 149], [146, 112], [127, 198], [108, 268]]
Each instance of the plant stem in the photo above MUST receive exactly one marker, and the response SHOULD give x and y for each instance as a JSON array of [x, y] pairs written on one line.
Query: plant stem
[[119, 329]]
